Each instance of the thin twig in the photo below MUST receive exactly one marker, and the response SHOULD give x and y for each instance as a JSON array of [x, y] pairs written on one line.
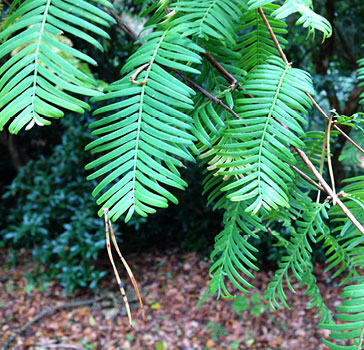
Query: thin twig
[[335, 125], [206, 93], [322, 160], [50, 311], [329, 164], [329, 191], [276, 42], [307, 178], [123, 25], [232, 80]]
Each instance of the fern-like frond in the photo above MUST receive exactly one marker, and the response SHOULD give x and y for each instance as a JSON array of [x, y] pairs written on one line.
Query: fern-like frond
[[353, 197], [233, 254], [340, 258], [146, 132], [34, 81], [154, 11], [351, 156], [298, 258], [352, 313], [208, 120], [261, 138], [255, 44], [309, 19], [299, 189], [308, 279], [208, 18], [349, 239]]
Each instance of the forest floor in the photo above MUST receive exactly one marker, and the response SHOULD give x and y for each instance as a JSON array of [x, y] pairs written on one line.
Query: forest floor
[[171, 287]]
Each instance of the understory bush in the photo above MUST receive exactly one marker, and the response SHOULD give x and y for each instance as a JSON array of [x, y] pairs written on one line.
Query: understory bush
[[52, 211]]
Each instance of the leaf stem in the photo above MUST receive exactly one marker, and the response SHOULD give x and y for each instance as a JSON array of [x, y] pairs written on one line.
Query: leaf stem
[[306, 177], [36, 59], [231, 79]]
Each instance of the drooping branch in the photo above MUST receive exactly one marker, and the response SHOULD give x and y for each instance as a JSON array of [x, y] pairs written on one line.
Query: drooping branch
[[302, 154], [310, 166]]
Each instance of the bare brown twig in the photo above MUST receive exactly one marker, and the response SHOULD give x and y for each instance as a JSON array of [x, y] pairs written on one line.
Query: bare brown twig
[[307, 178], [273, 36]]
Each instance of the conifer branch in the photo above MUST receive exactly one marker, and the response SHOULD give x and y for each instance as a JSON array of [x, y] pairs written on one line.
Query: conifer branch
[[284, 58], [227, 75], [302, 154]]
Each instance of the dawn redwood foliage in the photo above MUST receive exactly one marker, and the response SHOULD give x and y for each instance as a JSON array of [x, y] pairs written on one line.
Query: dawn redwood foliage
[[208, 82]]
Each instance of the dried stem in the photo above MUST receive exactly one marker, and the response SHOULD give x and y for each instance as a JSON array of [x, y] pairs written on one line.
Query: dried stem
[[128, 269], [109, 252]]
